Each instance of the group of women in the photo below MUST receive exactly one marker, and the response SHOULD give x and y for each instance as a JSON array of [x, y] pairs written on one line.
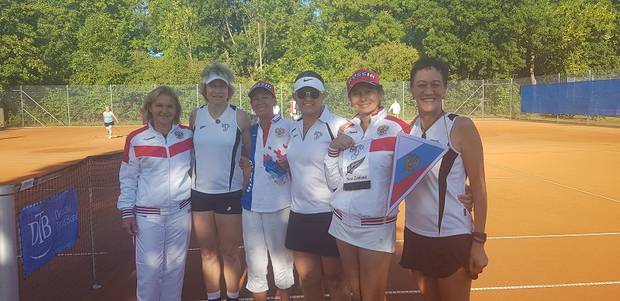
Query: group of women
[[308, 194]]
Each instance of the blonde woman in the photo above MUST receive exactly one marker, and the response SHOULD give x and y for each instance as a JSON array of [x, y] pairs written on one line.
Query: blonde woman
[[154, 199], [221, 135]]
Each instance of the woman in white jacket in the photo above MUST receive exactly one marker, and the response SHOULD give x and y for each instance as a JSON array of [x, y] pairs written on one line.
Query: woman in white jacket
[[359, 167], [154, 200]]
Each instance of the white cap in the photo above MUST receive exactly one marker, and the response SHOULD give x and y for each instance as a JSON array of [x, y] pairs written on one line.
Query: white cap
[[309, 81], [213, 77]]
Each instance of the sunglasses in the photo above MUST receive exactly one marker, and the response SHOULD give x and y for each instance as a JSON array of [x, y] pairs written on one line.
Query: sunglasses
[[312, 93]]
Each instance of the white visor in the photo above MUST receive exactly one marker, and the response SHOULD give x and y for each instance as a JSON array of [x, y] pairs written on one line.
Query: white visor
[[309, 81], [213, 77]]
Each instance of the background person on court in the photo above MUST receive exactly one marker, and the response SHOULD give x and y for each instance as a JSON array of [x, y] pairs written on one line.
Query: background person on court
[[267, 199], [444, 243], [395, 108], [154, 200], [359, 168], [108, 121], [221, 135], [316, 255]]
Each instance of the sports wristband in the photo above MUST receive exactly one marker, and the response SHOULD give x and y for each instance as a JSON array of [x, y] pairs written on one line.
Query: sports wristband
[[479, 237]]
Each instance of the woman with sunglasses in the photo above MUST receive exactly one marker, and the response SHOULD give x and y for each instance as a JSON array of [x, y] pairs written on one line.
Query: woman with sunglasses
[[444, 242], [359, 168], [221, 134], [315, 251]]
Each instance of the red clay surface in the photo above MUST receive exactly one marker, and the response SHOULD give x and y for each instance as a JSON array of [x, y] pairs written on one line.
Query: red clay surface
[[553, 221]]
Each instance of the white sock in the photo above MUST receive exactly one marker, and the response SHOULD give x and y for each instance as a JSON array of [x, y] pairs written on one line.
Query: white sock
[[213, 295], [234, 295]]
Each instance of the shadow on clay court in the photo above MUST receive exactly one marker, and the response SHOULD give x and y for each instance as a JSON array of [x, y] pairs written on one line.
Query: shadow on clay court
[[13, 137]]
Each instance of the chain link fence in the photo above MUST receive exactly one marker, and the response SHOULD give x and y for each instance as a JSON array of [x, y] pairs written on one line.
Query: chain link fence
[[39, 106]]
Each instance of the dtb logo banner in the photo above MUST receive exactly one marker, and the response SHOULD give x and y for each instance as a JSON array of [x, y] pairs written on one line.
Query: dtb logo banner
[[46, 228]]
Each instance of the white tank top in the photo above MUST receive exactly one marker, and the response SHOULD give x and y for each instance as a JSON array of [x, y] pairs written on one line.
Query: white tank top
[[217, 147], [432, 208]]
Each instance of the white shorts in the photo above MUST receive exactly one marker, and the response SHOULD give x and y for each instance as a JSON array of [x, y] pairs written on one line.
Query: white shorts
[[264, 235], [161, 249], [380, 238]]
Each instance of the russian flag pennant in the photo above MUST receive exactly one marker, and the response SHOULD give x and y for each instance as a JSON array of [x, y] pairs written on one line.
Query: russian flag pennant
[[413, 158]]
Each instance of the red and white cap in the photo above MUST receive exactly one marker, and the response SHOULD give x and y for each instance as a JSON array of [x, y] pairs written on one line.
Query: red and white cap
[[262, 85], [363, 76]]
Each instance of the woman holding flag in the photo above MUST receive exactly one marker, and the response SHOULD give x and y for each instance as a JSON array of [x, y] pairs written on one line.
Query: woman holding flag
[[359, 168], [444, 243]]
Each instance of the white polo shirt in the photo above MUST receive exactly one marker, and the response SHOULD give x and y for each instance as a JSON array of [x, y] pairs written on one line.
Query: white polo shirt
[[306, 156], [268, 190]]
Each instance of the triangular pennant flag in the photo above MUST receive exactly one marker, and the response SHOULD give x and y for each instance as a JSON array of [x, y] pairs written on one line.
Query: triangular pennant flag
[[413, 158]]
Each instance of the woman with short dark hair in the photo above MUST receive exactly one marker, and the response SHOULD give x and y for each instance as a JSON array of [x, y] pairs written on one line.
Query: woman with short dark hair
[[444, 242]]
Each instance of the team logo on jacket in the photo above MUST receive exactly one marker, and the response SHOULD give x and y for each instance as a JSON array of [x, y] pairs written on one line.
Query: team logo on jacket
[[355, 151], [382, 130], [354, 165], [225, 126], [280, 132], [411, 161], [178, 134], [317, 135]]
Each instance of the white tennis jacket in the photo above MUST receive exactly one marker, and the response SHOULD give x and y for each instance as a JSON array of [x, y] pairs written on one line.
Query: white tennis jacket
[[154, 174]]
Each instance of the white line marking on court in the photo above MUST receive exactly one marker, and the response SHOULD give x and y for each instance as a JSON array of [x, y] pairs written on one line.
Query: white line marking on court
[[480, 289], [556, 235], [546, 236], [560, 184]]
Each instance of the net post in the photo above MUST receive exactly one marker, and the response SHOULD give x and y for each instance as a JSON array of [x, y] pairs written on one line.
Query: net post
[[91, 205], [9, 284]]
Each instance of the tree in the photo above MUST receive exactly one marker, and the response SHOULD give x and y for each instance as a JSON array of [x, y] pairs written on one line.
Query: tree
[[392, 60]]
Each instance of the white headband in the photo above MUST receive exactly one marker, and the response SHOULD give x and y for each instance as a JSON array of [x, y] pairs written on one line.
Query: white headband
[[309, 81], [213, 77]]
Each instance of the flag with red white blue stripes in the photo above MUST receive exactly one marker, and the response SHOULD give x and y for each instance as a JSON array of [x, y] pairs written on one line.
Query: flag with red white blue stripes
[[413, 158]]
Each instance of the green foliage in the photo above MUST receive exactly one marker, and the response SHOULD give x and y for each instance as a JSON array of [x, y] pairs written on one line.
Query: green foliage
[[170, 41], [392, 60]]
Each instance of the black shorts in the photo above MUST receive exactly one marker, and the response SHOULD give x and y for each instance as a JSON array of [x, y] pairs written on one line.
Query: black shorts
[[107, 124], [436, 257], [221, 203], [309, 233]]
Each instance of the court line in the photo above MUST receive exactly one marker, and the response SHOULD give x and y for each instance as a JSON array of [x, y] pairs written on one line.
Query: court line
[[546, 236], [558, 184], [520, 287], [478, 289], [555, 235]]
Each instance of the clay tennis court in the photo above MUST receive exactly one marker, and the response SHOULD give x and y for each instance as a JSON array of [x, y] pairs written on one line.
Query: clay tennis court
[[553, 219]]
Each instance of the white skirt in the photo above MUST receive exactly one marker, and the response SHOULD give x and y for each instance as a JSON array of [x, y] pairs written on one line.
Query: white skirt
[[380, 238]]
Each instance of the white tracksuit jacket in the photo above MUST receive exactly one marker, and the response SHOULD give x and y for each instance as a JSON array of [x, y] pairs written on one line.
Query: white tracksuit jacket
[[366, 200], [154, 173]]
